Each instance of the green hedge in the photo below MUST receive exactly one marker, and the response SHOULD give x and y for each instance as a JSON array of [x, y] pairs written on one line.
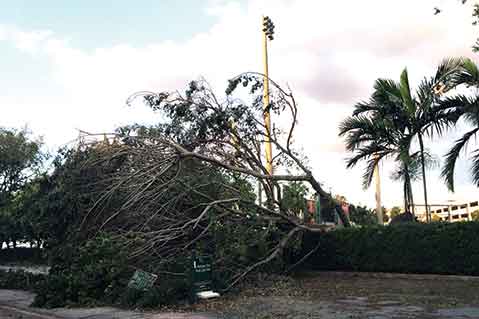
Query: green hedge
[[20, 280], [22, 254], [436, 248]]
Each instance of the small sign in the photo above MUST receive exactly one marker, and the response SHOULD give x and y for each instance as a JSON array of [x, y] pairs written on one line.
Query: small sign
[[202, 273], [142, 280], [201, 277]]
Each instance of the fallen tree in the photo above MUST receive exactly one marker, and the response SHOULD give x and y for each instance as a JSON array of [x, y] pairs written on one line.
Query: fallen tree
[[188, 184]]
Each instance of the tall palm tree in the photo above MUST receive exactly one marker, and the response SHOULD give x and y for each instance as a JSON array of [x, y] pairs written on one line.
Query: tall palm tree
[[378, 130], [401, 117], [465, 106]]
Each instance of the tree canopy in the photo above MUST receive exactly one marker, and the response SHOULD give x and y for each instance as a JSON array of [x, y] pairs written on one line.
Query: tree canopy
[[21, 159]]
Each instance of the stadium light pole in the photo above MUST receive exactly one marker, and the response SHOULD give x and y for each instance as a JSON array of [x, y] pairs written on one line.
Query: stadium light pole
[[268, 31]]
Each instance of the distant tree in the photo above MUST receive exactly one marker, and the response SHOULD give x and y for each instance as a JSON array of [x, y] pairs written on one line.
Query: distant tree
[[475, 215], [21, 160], [394, 211], [383, 212], [294, 197], [361, 215]]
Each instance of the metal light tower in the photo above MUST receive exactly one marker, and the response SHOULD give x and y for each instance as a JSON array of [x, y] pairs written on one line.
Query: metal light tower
[[268, 31]]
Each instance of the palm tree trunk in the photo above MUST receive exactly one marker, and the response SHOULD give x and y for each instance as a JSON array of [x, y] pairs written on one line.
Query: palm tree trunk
[[379, 210], [407, 199], [408, 187], [423, 166], [411, 199]]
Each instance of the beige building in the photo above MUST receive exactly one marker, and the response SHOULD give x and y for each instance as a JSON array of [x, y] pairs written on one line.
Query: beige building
[[451, 212]]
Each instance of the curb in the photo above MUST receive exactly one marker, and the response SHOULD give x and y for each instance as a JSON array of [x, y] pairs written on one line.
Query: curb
[[26, 312], [385, 275]]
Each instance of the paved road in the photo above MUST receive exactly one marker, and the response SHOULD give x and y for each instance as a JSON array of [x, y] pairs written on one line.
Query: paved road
[[8, 312], [320, 295], [15, 304]]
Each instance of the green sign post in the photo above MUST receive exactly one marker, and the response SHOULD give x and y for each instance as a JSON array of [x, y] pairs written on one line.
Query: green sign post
[[202, 273], [202, 278]]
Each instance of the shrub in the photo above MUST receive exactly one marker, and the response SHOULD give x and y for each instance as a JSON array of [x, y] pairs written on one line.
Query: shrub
[[22, 254], [97, 272], [20, 280], [91, 273], [439, 248]]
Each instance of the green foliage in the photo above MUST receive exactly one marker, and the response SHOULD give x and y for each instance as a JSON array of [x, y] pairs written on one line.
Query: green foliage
[[361, 215], [395, 211], [22, 255], [475, 215], [237, 245], [294, 197], [466, 107], [95, 271], [171, 290], [386, 125], [439, 248], [57, 203], [21, 160], [98, 271], [20, 280]]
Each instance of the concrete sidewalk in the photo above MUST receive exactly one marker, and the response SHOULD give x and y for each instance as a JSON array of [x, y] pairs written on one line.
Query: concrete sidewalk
[[16, 304]]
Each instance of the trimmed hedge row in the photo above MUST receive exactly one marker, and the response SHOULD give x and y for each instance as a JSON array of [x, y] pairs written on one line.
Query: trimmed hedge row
[[437, 248]]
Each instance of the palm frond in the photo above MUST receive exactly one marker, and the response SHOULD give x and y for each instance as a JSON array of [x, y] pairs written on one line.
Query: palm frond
[[469, 74], [471, 112], [450, 160], [359, 130], [406, 93], [364, 107], [475, 168], [367, 152], [368, 174], [447, 73]]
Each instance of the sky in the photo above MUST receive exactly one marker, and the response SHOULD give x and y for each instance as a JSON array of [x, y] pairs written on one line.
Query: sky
[[69, 65]]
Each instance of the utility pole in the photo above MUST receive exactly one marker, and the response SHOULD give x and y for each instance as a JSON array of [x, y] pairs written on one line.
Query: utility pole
[[268, 31], [379, 209]]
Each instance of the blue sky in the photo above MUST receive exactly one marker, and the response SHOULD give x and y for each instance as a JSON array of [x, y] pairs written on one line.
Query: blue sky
[[92, 23], [68, 65]]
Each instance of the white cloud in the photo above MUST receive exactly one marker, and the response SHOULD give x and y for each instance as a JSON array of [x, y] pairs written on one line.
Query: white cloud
[[330, 52]]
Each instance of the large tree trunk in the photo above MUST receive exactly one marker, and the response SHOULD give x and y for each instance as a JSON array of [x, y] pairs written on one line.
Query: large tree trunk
[[423, 167]]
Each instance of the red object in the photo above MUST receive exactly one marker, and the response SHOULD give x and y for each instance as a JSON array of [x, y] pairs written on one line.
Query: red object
[[311, 210], [345, 208]]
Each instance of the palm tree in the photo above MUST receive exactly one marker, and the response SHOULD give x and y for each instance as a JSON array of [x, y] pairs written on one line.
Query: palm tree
[[408, 171], [378, 130], [399, 117], [426, 115], [467, 108]]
